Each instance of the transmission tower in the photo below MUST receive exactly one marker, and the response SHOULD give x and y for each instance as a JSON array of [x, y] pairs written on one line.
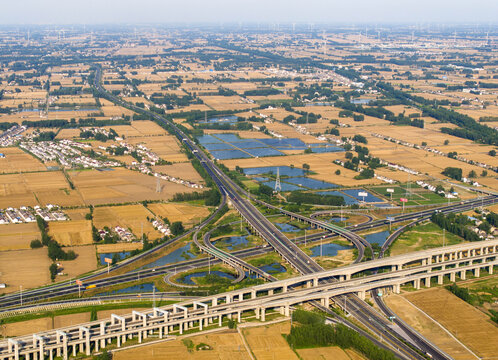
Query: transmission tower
[[278, 186]]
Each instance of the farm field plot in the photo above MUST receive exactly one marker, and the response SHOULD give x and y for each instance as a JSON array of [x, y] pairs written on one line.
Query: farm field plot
[[133, 217], [120, 185], [71, 233], [186, 213], [119, 247], [18, 236], [28, 268], [61, 197], [226, 102], [68, 133], [43, 324], [427, 327], [183, 171], [85, 262], [320, 164], [332, 352], [20, 189], [466, 323], [165, 146], [148, 128], [16, 160], [225, 345], [77, 214], [267, 342]]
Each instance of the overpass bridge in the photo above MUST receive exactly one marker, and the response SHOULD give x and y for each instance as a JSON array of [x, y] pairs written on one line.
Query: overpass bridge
[[417, 268]]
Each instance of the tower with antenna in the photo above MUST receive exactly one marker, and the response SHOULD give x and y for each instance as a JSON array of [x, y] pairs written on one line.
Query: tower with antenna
[[278, 186]]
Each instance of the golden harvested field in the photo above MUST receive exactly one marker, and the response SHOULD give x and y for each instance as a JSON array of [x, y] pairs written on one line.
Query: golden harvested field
[[321, 164], [28, 268], [20, 189], [427, 327], [332, 352], [120, 185], [267, 342], [43, 324], [68, 133], [17, 160], [77, 214], [465, 322], [183, 171], [226, 102], [71, 233], [226, 345], [128, 216], [165, 146], [186, 213], [18, 236], [108, 248], [85, 262], [61, 197]]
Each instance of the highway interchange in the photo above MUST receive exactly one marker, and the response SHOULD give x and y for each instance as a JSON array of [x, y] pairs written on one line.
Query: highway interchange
[[397, 336]]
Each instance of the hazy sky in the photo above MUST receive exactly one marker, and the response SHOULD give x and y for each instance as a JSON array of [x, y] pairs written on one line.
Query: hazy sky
[[166, 11]]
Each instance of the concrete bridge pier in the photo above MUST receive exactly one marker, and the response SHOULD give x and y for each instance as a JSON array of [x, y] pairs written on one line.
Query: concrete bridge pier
[[490, 271], [397, 288], [263, 314], [440, 279], [361, 295], [463, 275], [452, 276], [477, 272], [428, 282], [416, 284], [13, 344], [220, 320]]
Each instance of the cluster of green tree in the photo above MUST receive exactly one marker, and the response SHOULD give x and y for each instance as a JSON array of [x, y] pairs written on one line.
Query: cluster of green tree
[[226, 92], [378, 112], [492, 218], [73, 90], [360, 138], [117, 151], [488, 118], [46, 123], [172, 100], [313, 332], [211, 197], [333, 131], [468, 128], [99, 136], [462, 293], [314, 91], [45, 136], [262, 92], [455, 224], [453, 172], [363, 156], [300, 197], [6, 125], [55, 251]]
